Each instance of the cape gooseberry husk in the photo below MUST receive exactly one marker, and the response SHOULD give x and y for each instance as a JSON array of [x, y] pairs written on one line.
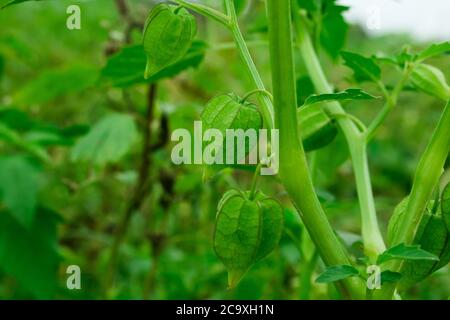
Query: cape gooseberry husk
[[248, 228], [431, 80], [168, 34]]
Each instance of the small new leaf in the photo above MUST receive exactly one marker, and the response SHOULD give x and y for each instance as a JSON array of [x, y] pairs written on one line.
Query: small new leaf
[[406, 252], [337, 273]]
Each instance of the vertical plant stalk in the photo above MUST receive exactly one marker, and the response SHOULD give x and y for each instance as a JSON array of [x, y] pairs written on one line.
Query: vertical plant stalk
[[231, 23], [294, 173], [426, 179], [264, 101], [356, 140]]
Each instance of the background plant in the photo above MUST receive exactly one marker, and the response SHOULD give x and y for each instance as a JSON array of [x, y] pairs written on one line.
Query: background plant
[[121, 207]]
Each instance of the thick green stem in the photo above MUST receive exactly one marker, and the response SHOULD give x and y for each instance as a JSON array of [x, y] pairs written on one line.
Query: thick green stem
[[426, 179], [373, 241], [294, 172]]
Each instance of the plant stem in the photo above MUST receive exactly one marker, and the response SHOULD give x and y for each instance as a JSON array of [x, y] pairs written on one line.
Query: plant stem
[[205, 11], [266, 105], [391, 101], [373, 241], [230, 21], [306, 275], [294, 172], [426, 179]]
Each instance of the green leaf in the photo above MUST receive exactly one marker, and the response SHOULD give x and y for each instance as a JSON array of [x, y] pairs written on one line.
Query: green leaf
[[406, 252], [246, 231], [333, 30], [337, 273], [316, 128], [389, 276], [30, 255], [2, 66], [365, 69], [13, 2], [107, 142], [430, 80], [330, 26], [52, 84], [329, 159], [445, 206], [349, 94], [19, 186], [125, 67], [14, 138], [305, 88], [434, 50]]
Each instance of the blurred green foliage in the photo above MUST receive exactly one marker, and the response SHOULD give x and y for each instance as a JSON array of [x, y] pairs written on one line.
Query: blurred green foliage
[[72, 135]]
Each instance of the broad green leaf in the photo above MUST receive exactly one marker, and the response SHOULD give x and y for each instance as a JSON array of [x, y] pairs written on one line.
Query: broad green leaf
[[13, 2], [430, 80], [246, 231], [330, 26], [349, 94], [15, 119], [337, 273], [333, 30], [445, 205], [30, 255], [406, 252], [19, 186], [52, 84], [388, 276], [125, 68], [316, 128], [434, 50], [365, 69], [107, 142]]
